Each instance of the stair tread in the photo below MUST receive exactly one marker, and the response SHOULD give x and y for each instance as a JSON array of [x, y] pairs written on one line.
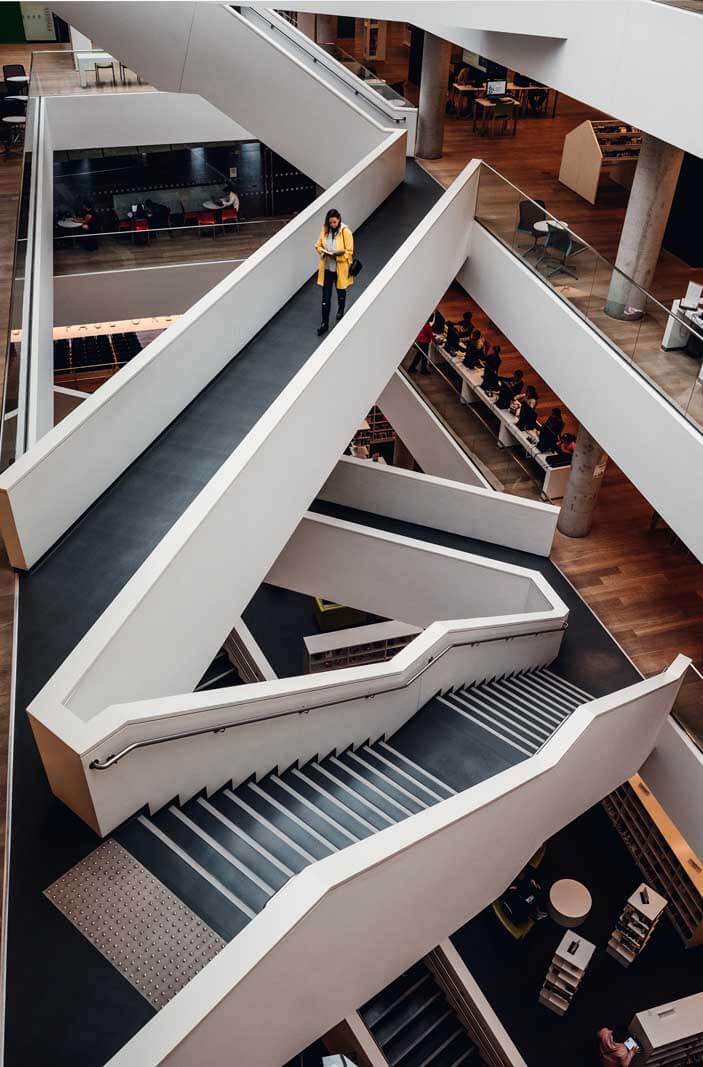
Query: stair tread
[[219, 866], [393, 751], [201, 897], [287, 826], [393, 807], [505, 720], [350, 800], [318, 789], [271, 841], [396, 789], [375, 1008], [422, 1035], [405, 1011], [399, 775], [268, 872], [335, 838]]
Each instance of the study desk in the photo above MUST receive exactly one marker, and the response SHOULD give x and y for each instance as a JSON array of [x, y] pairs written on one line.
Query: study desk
[[86, 62], [555, 478], [676, 336]]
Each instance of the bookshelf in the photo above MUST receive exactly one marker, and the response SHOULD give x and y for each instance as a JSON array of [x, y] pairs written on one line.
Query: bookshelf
[[595, 149], [359, 644], [671, 1034], [566, 972], [636, 924], [663, 856]]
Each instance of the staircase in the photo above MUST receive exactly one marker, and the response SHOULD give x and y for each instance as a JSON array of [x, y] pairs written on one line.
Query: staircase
[[523, 710], [414, 1025], [225, 856]]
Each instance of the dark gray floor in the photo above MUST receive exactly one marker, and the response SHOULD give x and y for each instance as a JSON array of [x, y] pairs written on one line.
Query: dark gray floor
[[65, 1004]]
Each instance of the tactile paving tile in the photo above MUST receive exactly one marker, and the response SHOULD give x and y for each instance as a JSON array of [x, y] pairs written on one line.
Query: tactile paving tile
[[154, 940]]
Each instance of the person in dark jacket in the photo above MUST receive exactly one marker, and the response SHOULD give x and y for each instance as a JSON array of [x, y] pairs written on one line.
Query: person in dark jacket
[[555, 423], [475, 350], [491, 363]]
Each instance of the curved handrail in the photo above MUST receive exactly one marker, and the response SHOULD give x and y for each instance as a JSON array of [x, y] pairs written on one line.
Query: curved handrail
[[315, 59], [110, 761]]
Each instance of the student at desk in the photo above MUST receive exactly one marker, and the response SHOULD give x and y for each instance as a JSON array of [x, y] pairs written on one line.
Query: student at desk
[[508, 390], [437, 322], [453, 340], [491, 363], [554, 423], [466, 326], [527, 401], [475, 350]]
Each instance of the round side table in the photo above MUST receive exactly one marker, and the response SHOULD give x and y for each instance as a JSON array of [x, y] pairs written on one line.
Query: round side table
[[569, 902]]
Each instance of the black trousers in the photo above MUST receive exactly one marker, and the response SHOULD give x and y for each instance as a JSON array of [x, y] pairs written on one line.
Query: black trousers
[[329, 285], [421, 350]]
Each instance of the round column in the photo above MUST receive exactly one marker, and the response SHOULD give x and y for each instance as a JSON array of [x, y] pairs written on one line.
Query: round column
[[585, 478], [326, 29], [306, 23], [436, 56], [648, 208]]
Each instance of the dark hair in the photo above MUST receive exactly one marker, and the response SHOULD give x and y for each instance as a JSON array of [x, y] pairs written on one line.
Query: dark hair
[[532, 392], [568, 437], [468, 315], [496, 350], [475, 335], [332, 214], [518, 374], [556, 411]]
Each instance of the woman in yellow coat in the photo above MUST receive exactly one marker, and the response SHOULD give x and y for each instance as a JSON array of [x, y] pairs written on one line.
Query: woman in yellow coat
[[335, 247]]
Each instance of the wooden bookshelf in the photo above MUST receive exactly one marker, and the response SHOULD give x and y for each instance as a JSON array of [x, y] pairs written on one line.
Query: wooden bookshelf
[[670, 1035], [663, 856], [636, 924], [353, 647], [595, 149], [566, 972]]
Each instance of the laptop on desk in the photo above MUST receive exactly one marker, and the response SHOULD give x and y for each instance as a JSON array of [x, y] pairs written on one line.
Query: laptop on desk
[[496, 90]]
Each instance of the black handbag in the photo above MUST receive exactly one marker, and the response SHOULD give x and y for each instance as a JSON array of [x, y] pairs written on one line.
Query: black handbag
[[356, 267]]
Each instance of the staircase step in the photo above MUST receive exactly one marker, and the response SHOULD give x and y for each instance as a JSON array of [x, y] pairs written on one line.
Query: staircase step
[[448, 1044], [504, 715], [377, 773], [528, 704], [424, 1033], [425, 777], [513, 741], [219, 864], [396, 807], [546, 697], [581, 694], [317, 824], [321, 792], [346, 794], [289, 825], [252, 823], [262, 863], [459, 1052], [376, 1008], [395, 773], [199, 893]]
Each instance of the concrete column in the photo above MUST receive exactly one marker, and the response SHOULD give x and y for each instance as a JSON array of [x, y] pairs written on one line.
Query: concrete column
[[587, 470], [306, 23], [652, 192], [436, 56], [326, 29]]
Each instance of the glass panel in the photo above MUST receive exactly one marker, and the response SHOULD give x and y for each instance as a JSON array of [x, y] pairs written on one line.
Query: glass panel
[[145, 246], [61, 73], [688, 709], [665, 346]]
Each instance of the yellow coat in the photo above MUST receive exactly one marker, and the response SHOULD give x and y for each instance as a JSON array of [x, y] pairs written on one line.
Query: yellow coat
[[344, 242]]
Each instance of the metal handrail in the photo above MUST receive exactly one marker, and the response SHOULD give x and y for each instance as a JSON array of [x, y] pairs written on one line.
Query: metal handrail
[[347, 85], [104, 765]]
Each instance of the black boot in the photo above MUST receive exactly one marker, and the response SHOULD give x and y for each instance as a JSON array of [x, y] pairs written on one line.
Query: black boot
[[325, 324], [341, 303]]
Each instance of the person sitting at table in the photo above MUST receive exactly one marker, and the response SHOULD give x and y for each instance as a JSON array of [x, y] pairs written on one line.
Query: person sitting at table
[[89, 226], [229, 198], [548, 441], [527, 404], [464, 76], [508, 390], [555, 423], [466, 325], [158, 215], [491, 363], [453, 340], [475, 350]]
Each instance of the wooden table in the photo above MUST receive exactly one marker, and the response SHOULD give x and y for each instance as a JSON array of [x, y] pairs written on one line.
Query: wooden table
[[486, 106]]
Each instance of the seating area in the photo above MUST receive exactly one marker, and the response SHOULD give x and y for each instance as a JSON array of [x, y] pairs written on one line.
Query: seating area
[[13, 106], [91, 353], [560, 245]]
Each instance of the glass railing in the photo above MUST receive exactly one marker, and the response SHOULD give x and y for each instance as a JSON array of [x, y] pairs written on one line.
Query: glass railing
[[11, 418], [142, 245], [664, 347], [688, 709], [61, 72], [344, 59], [479, 434]]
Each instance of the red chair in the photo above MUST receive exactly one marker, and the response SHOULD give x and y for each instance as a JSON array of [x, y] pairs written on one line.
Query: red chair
[[230, 214], [141, 226], [206, 218]]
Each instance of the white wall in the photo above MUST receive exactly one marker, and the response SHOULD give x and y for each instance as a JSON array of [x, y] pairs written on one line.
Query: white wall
[[50, 487], [655, 447], [470, 511], [674, 773], [209, 49], [142, 292], [640, 47], [123, 119], [426, 866], [401, 578], [427, 438]]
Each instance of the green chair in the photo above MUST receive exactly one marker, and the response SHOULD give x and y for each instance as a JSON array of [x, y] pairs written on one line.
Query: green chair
[[503, 112]]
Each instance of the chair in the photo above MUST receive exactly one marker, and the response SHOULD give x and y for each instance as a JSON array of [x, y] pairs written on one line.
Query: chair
[[104, 65], [530, 212], [141, 226], [502, 112], [560, 247], [230, 214], [14, 74], [206, 218]]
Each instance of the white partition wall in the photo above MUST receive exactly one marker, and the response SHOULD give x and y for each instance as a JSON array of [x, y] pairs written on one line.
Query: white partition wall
[[405, 888]]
